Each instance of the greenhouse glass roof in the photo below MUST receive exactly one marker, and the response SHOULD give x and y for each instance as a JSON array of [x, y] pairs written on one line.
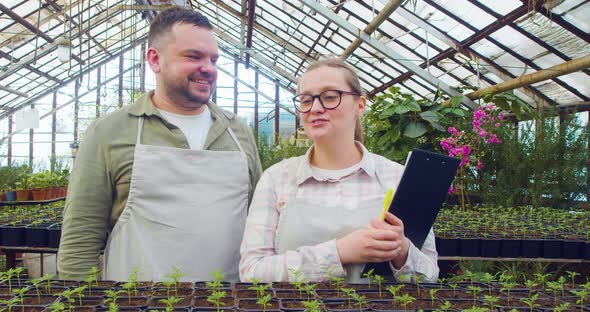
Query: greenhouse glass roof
[[418, 45]]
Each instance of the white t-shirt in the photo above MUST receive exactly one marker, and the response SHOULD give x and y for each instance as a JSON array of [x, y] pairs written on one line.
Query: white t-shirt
[[194, 127]]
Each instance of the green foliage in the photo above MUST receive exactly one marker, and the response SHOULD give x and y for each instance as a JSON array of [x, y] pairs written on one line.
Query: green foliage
[[216, 298], [312, 305], [398, 122], [170, 302], [216, 284], [509, 102], [14, 177], [540, 165], [264, 301], [271, 154]]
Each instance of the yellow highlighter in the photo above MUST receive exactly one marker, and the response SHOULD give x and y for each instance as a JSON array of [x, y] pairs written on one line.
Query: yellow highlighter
[[386, 202]]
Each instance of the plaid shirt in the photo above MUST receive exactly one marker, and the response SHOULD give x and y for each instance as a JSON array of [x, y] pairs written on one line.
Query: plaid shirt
[[279, 182]]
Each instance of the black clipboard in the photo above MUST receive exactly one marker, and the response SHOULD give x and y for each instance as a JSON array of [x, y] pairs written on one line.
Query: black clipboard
[[422, 192], [420, 195]]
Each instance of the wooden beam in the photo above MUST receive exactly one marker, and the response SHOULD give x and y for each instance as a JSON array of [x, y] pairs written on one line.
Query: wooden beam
[[391, 6], [541, 75]]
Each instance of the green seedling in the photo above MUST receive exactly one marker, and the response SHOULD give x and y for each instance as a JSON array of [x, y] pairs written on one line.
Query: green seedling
[[349, 293], [216, 284], [555, 287], [20, 293], [175, 276], [530, 284], [264, 301], [312, 305], [369, 276], [68, 294], [582, 294], [405, 300], [298, 280], [378, 279], [80, 291], [216, 298], [113, 295], [113, 307], [57, 306], [507, 286], [169, 285], [562, 307], [260, 289], [474, 290], [531, 301], [18, 271], [335, 281], [47, 278], [393, 290], [445, 307], [433, 295], [170, 302], [36, 283], [491, 301], [572, 275]]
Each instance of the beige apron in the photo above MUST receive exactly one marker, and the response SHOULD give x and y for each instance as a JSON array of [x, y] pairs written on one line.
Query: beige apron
[[185, 209], [308, 221]]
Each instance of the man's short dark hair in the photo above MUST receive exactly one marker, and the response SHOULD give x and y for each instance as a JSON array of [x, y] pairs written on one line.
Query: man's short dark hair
[[163, 22]]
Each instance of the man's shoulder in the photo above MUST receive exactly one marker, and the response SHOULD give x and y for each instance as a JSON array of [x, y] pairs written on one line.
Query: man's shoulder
[[115, 121]]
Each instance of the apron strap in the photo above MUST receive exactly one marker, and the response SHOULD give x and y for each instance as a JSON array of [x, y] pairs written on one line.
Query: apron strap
[[233, 136], [139, 131]]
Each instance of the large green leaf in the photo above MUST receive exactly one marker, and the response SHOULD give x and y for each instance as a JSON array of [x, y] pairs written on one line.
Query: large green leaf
[[438, 127], [413, 106], [415, 129], [402, 109], [388, 112], [429, 116]]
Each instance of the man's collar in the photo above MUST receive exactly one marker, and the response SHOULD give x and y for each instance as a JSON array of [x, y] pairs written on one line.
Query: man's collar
[[144, 106]]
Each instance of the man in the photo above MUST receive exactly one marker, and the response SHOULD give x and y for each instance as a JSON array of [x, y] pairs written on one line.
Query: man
[[170, 176]]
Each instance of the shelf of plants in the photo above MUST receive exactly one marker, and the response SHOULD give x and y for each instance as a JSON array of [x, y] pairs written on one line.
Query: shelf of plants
[[17, 293], [477, 232], [31, 225], [513, 232]]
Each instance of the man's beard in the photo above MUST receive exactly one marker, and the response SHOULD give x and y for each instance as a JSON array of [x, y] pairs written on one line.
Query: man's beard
[[183, 93]]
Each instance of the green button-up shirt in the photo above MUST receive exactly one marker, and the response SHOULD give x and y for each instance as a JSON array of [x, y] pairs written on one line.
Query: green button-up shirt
[[101, 176]]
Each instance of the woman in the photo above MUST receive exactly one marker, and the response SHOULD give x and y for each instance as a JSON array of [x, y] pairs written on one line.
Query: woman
[[318, 214]]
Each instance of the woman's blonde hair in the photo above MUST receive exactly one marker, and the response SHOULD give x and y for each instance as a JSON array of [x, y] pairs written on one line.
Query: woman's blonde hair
[[352, 79]]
